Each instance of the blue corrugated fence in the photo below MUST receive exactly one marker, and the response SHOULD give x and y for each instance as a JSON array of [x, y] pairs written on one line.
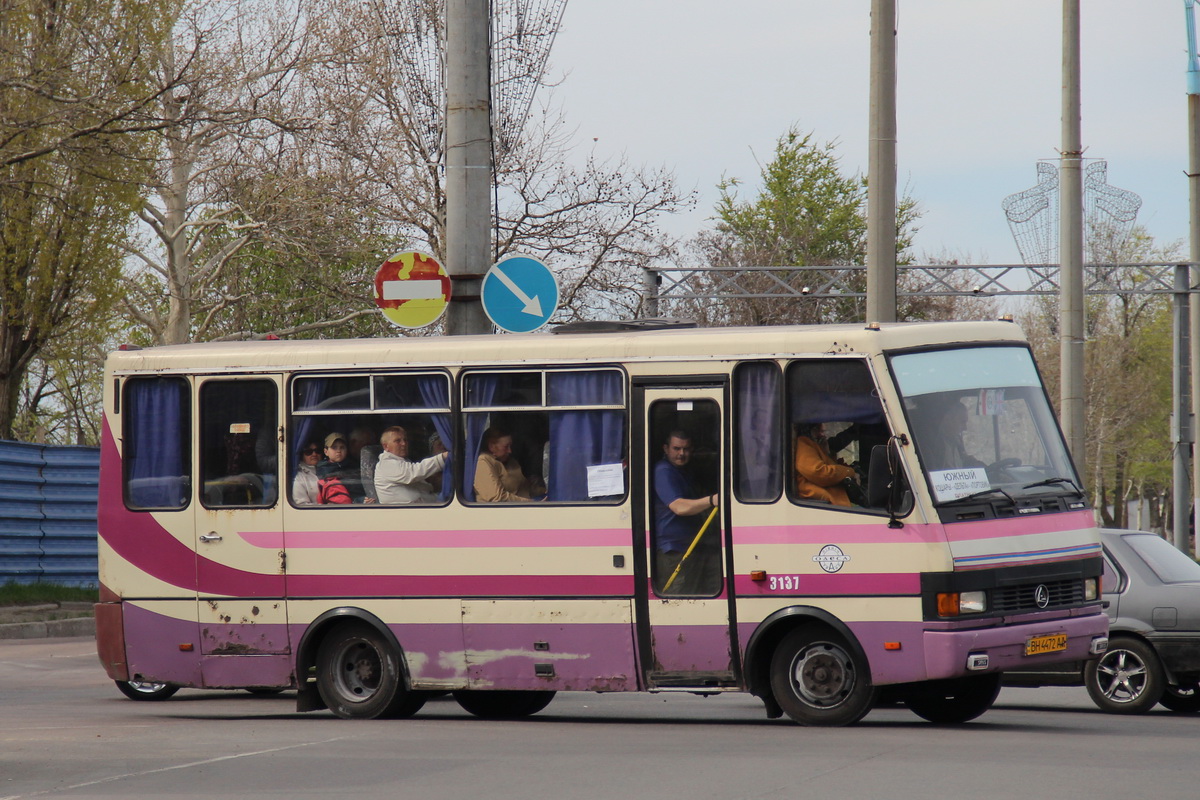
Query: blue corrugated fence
[[48, 513]]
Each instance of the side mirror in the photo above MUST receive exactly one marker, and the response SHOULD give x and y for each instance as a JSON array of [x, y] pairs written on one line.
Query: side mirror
[[886, 485]]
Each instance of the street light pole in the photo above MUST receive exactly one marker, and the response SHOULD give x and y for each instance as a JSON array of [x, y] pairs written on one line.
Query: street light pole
[[881, 166], [1070, 242], [468, 162]]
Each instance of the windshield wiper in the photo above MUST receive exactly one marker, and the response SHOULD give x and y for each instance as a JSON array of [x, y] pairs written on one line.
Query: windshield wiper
[[977, 495], [1052, 481]]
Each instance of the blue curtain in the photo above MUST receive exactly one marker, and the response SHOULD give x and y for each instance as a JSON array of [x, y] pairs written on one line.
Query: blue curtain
[[580, 439], [436, 395], [310, 397], [759, 434], [157, 474], [482, 388]]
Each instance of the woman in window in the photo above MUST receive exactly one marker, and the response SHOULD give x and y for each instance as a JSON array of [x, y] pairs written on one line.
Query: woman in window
[[304, 485], [498, 475]]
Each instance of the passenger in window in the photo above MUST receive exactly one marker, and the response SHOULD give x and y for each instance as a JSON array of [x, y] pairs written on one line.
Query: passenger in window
[[304, 485], [679, 516], [435, 448], [339, 482], [819, 476], [399, 481], [945, 446], [498, 475]]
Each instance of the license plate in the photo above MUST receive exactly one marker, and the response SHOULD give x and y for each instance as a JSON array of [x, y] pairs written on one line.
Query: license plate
[[1050, 643]]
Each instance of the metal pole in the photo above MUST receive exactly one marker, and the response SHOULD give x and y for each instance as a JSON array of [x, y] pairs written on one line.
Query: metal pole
[[881, 166], [1070, 234], [650, 291], [1193, 89], [468, 162], [1180, 429]]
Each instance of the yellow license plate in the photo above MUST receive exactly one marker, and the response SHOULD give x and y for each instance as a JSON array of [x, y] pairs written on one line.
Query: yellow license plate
[[1050, 643]]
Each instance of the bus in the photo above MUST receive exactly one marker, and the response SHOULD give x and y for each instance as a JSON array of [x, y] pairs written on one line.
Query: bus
[[953, 542]]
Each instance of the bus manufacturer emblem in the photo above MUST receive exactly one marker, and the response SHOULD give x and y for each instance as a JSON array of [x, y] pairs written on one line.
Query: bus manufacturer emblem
[[831, 558], [1041, 595]]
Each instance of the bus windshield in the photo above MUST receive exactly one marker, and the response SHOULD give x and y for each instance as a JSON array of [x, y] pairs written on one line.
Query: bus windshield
[[982, 425]]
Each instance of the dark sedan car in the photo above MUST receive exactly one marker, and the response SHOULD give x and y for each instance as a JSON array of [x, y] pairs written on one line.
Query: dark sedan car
[[1152, 594]]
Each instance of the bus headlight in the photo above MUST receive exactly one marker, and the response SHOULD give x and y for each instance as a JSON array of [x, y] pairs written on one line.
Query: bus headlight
[[1091, 589], [953, 604]]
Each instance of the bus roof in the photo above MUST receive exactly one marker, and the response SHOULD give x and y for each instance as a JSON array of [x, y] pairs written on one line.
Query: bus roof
[[668, 344]]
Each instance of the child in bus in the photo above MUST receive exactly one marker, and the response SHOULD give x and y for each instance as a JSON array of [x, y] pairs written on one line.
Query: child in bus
[[338, 482]]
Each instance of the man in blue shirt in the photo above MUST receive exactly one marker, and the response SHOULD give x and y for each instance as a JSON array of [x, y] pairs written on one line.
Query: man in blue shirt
[[678, 517]]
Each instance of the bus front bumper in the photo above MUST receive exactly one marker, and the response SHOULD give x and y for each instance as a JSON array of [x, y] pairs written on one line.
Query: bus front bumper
[[955, 653]]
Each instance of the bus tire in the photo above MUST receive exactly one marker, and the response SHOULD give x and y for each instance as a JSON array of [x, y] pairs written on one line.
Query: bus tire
[[146, 690], [818, 680], [502, 704], [359, 675], [950, 702]]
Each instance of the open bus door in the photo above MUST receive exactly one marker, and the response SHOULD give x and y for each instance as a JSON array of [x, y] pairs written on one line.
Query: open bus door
[[240, 560], [685, 625]]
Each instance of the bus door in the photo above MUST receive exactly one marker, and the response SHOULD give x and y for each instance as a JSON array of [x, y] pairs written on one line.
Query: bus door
[[239, 526], [685, 632]]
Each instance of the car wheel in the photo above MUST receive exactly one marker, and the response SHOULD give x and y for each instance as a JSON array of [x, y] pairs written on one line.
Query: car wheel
[[1184, 697], [146, 690], [1127, 679], [359, 675], [950, 702], [501, 704], [817, 679]]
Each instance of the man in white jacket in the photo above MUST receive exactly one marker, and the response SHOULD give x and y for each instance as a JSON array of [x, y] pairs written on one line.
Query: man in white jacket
[[399, 481]]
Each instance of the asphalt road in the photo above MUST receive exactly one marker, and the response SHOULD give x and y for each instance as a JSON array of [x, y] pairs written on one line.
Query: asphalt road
[[67, 732]]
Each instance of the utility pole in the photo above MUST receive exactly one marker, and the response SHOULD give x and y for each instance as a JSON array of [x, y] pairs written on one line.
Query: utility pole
[[881, 166], [1070, 243], [468, 163], [1193, 93]]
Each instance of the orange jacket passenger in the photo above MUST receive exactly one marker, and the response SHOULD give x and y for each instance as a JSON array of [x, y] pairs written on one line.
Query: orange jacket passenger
[[818, 476]]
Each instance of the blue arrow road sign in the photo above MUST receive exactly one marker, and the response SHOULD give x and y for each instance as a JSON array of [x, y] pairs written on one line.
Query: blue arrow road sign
[[519, 294]]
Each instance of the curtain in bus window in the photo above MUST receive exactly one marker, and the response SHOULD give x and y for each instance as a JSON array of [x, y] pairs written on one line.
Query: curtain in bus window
[[435, 393], [156, 456], [759, 443], [483, 389], [311, 392], [581, 439]]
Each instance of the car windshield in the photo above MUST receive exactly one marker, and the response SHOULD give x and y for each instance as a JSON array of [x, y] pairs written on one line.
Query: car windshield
[[1168, 563], [981, 424]]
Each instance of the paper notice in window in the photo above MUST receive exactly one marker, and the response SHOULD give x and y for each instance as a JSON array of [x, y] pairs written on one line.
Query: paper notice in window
[[605, 480], [951, 484]]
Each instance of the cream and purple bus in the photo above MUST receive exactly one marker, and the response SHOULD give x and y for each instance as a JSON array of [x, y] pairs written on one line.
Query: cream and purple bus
[[956, 542]]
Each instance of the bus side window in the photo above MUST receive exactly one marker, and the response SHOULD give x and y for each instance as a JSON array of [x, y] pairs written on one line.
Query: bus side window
[[238, 461], [156, 449], [835, 419], [568, 431], [758, 431]]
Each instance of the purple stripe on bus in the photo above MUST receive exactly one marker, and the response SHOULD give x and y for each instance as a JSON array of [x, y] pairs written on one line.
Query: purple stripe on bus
[[553, 655]]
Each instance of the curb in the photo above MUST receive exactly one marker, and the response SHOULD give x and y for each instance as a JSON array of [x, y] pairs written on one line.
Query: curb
[[46, 629]]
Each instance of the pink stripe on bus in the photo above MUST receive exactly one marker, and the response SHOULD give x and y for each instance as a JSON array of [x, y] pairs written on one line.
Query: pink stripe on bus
[[460, 585], [1017, 526]]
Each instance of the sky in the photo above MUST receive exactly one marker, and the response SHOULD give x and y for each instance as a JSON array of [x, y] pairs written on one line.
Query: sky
[[706, 87]]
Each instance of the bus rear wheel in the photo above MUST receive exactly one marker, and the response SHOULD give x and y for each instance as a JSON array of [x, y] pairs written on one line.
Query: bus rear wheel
[[503, 704], [359, 675], [950, 702], [819, 681]]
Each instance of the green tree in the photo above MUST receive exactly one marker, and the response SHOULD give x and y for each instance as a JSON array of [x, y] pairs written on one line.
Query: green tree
[[807, 213]]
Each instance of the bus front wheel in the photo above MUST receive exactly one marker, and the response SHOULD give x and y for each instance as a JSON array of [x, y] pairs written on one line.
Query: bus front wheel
[[818, 680], [359, 675]]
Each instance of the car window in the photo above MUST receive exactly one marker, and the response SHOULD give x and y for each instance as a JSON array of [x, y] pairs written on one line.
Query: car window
[[1111, 577], [1169, 564]]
